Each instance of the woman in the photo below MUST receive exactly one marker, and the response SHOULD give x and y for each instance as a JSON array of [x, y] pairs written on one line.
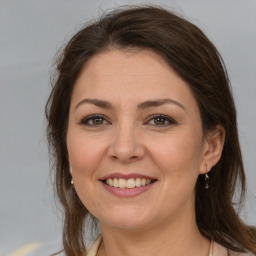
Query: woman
[[142, 126]]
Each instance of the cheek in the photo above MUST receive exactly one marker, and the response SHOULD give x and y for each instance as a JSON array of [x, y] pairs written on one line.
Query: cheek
[[84, 155], [84, 152], [177, 153], [178, 159]]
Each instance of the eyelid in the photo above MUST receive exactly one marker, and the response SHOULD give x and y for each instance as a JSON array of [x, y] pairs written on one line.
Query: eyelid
[[168, 118], [85, 120]]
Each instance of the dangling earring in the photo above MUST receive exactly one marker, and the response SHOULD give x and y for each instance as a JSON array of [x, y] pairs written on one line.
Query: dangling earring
[[206, 178], [70, 170]]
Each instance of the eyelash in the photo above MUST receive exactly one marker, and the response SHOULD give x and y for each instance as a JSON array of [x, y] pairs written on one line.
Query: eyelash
[[86, 120], [170, 120]]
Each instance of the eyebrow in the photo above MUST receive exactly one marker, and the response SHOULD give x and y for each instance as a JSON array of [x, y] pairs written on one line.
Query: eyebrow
[[143, 105], [96, 102], [157, 103]]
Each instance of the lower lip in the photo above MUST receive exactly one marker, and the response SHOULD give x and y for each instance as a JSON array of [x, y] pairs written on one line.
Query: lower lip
[[127, 192]]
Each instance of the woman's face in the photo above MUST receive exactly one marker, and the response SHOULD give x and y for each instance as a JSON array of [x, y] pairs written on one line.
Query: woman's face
[[134, 140]]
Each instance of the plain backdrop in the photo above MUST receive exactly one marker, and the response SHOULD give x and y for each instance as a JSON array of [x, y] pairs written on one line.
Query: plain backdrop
[[31, 31]]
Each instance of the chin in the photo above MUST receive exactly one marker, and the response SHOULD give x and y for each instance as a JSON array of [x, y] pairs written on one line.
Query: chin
[[128, 220]]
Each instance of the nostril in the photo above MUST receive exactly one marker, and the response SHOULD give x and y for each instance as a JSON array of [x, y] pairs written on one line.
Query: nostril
[[126, 146]]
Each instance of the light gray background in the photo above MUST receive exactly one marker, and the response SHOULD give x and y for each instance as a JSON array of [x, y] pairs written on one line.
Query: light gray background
[[30, 33]]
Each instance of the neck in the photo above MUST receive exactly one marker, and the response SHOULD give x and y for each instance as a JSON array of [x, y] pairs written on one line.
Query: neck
[[180, 238]]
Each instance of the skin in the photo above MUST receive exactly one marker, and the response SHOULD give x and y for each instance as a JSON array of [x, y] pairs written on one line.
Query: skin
[[160, 221]]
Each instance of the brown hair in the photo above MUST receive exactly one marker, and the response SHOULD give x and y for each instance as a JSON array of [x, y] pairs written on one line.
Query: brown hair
[[190, 53]]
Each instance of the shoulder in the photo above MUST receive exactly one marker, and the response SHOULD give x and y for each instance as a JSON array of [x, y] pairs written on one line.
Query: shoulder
[[219, 250]]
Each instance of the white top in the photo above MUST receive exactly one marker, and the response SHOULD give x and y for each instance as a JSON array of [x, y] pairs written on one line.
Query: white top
[[215, 249]]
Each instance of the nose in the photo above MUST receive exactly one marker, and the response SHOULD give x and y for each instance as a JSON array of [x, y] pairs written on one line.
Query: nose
[[126, 145]]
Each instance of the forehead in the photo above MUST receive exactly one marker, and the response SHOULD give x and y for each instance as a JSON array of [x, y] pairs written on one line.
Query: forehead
[[118, 74], [132, 63], [130, 59]]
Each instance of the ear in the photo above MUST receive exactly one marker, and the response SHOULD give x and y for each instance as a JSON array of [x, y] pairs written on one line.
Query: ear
[[213, 146]]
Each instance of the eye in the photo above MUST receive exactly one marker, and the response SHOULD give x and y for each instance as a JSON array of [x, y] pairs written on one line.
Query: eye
[[94, 120], [161, 120]]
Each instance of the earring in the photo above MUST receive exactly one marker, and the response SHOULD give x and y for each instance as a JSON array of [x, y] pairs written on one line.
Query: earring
[[206, 178], [70, 171]]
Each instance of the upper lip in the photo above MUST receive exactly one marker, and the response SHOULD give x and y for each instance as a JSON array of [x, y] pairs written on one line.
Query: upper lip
[[126, 176]]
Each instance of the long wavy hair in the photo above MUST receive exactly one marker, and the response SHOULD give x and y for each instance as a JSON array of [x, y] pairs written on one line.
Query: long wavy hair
[[196, 60]]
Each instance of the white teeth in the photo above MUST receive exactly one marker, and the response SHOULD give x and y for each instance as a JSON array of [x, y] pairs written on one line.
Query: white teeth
[[122, 183], [129, 183], [115, 183], [138, 182]]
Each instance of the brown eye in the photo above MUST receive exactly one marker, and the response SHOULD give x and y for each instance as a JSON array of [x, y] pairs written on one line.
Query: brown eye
[[97, 121], [94, 120], [161, 120]]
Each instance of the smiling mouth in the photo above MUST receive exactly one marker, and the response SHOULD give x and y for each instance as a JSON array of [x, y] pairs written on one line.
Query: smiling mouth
[[128, 183]]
